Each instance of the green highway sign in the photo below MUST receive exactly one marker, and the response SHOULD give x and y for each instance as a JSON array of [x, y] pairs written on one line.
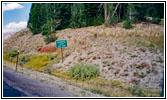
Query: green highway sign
[[61, 43]]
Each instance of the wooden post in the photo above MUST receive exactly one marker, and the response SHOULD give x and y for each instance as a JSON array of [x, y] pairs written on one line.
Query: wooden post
[[17, 60], [62, 55]]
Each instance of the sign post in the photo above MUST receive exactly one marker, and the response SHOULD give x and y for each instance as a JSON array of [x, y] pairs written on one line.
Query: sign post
[[17, 59], [62, 55], [61, 44]]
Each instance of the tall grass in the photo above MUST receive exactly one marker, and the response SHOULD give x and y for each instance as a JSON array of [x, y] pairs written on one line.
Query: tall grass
[[38, 63]]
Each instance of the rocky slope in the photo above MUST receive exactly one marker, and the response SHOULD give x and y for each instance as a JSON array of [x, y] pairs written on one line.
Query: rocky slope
[[24, 41], [133, 56]]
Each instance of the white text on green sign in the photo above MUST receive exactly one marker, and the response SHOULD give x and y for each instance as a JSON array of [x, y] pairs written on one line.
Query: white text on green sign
[[61, 43]]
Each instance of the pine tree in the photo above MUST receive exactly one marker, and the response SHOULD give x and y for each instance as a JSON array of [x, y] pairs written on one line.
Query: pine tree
[[78, 18], [35, 21]]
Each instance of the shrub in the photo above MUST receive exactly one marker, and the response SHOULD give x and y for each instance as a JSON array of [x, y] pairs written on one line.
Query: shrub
[[50, 38], [156, 20], [142, 75], [137, 91], [127, 24], [12, 53], [23, 60], [95, 35], [83, 71], [48, 49]]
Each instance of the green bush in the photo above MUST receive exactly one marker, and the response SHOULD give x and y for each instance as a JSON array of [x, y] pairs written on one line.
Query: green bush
[[50, 38], [12, 53], [127, 24], [156, 20], [83, 71], [22, 59]]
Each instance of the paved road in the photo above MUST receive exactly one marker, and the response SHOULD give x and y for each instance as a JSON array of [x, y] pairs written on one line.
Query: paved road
[[16, 85], [8, 91]]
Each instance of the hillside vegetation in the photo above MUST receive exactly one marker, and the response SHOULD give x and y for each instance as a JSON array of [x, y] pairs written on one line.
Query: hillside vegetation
[[113, 49], [133, 57]]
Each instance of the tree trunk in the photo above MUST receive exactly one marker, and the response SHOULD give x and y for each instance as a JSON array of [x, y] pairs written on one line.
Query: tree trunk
[[119, 12], [115, 9], [105, 13], [130, 14]]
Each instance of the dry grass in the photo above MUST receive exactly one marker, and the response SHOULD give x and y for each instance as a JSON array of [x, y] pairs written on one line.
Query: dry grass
[[152, 43], [107, 88], [147, 35]]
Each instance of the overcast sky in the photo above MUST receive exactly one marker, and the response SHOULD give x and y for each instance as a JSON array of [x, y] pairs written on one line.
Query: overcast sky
[[15, 16]]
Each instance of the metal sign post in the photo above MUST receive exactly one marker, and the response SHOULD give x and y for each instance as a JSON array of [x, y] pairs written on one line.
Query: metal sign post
[[61, 44], [17, 59]]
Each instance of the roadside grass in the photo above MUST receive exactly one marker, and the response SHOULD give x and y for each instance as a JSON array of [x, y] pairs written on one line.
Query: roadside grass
[[99, 85], [37, 62], [10, 59], [109, 88]]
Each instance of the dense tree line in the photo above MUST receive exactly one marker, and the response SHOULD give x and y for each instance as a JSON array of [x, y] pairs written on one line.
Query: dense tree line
[[47, 18]]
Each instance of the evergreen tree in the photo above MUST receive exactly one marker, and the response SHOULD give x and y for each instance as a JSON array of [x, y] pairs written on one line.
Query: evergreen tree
[[47, 18], [36, 18], [94, 14], [78, 15]]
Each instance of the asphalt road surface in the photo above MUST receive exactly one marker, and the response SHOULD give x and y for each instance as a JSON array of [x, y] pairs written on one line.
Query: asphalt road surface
[[19, 85]]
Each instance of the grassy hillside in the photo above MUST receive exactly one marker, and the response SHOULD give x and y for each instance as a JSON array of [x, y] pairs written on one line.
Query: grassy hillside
[[124, 57]]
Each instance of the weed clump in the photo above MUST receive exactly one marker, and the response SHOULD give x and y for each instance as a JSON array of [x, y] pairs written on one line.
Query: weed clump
[[83, 71], [127, 25], [137, 91], [95, 35]]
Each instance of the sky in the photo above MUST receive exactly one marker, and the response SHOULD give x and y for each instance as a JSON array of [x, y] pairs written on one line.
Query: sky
[[15, 17]]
